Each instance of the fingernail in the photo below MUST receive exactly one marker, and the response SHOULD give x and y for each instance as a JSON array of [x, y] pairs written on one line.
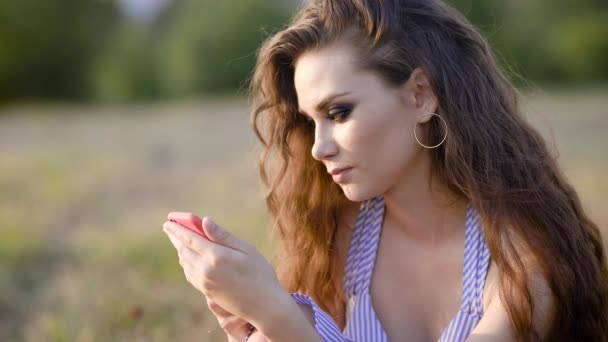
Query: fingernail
[[212, 225]]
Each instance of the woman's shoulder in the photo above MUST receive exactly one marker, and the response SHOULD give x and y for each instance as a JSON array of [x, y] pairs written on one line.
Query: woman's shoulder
[[495, 312]]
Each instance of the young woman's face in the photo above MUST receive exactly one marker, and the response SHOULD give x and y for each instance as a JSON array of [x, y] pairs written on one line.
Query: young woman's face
[[366, 127]]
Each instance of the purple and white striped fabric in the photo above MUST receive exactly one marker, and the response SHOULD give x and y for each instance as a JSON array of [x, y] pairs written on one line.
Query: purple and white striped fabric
[[362, 324]]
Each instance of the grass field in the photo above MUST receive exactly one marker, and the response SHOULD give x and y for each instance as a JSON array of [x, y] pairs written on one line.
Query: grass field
[[84, 192]]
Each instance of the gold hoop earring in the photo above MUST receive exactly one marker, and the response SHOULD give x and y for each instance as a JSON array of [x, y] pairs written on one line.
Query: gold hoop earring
[[416, 136]]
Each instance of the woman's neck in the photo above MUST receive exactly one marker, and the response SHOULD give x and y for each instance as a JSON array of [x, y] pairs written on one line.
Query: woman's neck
[[424, 208]]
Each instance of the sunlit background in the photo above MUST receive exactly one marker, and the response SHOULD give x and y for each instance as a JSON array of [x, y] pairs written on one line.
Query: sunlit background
[[115, 112]]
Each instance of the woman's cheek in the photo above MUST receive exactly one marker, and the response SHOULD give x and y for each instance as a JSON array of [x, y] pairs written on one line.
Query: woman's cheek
[[353, 137]]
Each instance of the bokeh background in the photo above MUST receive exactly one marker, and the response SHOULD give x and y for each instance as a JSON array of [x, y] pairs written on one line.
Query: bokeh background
[[115, 112]]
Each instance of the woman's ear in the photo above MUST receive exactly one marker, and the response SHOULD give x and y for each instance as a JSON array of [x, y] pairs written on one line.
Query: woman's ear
[[419, 87]]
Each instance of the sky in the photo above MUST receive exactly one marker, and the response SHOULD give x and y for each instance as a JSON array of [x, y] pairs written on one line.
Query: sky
[[143, 9]]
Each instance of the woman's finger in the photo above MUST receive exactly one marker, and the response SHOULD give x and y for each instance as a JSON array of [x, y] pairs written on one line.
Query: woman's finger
[[234, 326], [189, 238], [177, 243], [192, 274], [187, 254], [220, 235], [217, 309], [189, 260]]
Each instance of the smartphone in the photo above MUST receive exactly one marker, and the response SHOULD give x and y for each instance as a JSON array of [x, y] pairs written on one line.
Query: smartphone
[[188, 220]]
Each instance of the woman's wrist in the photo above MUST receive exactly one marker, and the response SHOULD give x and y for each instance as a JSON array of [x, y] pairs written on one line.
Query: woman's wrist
[[286, 321]]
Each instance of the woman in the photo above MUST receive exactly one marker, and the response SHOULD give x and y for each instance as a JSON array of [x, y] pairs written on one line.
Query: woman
[[407, 177]]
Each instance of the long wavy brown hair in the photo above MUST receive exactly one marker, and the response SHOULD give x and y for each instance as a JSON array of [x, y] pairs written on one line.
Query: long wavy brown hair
[[492, 156]]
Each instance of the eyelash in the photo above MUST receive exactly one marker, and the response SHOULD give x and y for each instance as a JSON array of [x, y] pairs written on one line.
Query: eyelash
[[339, 116]]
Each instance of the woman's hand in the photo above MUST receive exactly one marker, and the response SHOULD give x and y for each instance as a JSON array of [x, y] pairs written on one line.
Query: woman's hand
[[257, 336], [229, 272], [235, 328]]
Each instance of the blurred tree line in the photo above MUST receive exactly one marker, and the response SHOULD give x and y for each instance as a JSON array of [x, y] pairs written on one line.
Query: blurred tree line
[[88, 50]]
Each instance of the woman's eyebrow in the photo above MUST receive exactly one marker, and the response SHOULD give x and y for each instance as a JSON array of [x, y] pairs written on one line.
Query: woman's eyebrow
[[323, 104]]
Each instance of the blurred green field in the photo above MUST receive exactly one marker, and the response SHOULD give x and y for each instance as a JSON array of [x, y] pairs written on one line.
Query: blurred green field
[[84, 192]]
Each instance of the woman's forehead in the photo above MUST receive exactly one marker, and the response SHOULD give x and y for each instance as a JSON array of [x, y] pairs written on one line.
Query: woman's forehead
[[326, 64], [322, 73]]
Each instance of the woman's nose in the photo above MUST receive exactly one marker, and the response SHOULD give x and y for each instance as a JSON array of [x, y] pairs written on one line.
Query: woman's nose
[[325, 145]]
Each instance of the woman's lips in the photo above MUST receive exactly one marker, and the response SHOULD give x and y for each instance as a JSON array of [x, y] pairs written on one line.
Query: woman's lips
[[341, 175]]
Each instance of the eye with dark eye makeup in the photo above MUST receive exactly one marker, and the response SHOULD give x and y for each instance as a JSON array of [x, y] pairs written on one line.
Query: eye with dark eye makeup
[[336, 114], [339, 114]]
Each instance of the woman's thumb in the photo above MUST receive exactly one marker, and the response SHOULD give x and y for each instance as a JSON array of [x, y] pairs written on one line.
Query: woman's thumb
[[219, 235]]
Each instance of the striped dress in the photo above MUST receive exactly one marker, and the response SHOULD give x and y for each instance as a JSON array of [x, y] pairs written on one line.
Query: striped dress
[[362, 324]]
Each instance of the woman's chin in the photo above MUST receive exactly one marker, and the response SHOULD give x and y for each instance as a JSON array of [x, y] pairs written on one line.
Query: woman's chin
[[355, 193]]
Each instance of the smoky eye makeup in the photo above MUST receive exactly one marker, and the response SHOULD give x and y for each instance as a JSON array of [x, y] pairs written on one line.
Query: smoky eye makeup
[[339, 113]]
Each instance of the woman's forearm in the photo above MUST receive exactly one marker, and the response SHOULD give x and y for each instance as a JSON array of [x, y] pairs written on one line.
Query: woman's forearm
[[289, 322]]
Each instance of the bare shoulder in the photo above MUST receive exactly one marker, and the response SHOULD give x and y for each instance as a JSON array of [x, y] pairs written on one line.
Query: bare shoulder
[[495, 324], [537, 283]]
